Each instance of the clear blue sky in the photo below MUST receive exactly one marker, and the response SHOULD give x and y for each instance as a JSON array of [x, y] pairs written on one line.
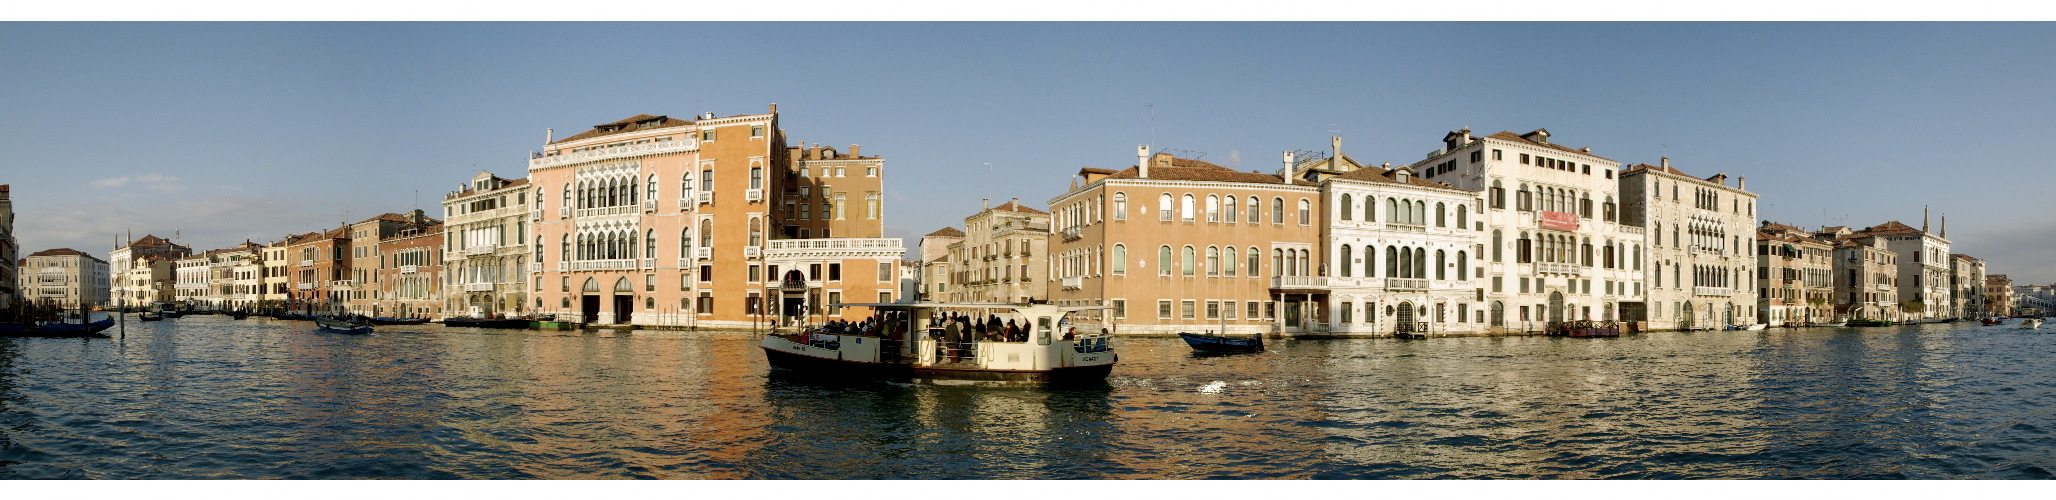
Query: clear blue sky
[[227, 131]]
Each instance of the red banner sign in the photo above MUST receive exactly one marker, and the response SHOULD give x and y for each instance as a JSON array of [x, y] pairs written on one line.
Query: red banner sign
[[1561, 221]]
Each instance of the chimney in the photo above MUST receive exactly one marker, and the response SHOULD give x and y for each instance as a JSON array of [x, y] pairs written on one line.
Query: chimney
[[549, 136], [853, 151], [985, 203], [1466, 135], [1142, 160], [1335, 147], [1742, 183], [1288, 164], [1666, 162], [1016, 202], [774, 108]]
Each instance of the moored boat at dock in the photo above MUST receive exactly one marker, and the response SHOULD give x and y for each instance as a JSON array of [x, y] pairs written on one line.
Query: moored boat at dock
[[1210, 342], [487, 322], [342, 326], [915, 342]]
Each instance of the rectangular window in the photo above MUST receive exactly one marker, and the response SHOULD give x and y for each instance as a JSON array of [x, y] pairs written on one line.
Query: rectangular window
[[1496, 154], [885, 297], [1524, 285], [885, 272], [834, 271], [757, 131], [1164, 309], [1524, 158], [1228, 309], [706, 303], [1498, 284], [684, 282], [1270, 310], [753, 276], [1213, 309], [834, 298], [1254, 310], [706, 273], [1120, 308], [649, 282], [1186, 309], [567, 283]]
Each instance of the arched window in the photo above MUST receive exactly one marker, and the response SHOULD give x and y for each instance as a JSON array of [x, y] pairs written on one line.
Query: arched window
[[1213, 208], [1120, 206], [1463, 266], [1370, 209], [1342, 262], [1523, 250], [1120, 260], [1440, 215], [1252, 215], [1256, 258], [652, 196], [1421, 213], [1228, 205], [650, 245], [1421, 263], [1521, 199], [1164, 259], [1391, 262], [756, 177], [1405, 263], [685, 187], [706, 235], [1306, 263], [1343, 207], [1392, 211], [1497, 198], [1441, 272], [1277, 210], [1164, 207], [1278, 262], [756, 232], [1498, 314], [1213, 261], [1185, 208], [1585, 253], [1185, 261], [1462, 218], [1306, 212], [1229, 262], [1370, 261], [564, 250]]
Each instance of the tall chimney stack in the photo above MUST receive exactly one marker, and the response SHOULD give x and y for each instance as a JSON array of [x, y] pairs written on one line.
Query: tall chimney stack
[[853, 151], [549, 136], [1142, 160], [774, 108], [1742, 183], [1666, 162], [985, 203]]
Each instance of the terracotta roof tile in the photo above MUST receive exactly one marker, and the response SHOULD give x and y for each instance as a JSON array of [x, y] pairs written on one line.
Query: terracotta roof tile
[[947, 232], [1013, 206], [1389, 176], [1513, 137], [626, 125], [1194, 170], [1892, 227]]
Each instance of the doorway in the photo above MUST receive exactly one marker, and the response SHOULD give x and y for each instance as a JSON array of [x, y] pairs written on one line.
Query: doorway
[[624, 305], [589, 309]]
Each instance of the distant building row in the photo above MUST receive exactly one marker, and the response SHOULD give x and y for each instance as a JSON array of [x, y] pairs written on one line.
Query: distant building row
[[1502, 233]]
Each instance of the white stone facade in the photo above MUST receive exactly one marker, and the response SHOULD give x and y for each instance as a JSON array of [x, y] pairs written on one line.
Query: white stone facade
[[1701, 240]]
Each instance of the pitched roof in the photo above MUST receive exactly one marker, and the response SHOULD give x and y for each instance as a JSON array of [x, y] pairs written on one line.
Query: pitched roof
[[1015, 206], [947, 232], [150, 240], [1892, 227], [625, 125], [1513, 137], [1390, 176], [58, 252], [1091, 170], [1668, 170], [1182, 169]]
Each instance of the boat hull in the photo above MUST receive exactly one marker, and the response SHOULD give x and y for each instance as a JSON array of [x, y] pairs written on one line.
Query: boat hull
[[1254, 343], [837, 368], [398, 321], [486, 323]]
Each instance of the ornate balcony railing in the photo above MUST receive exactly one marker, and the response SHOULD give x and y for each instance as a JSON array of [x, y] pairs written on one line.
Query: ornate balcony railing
[[1073, 233], [307, 263], [706, 197], [1712, 291], [305, 286], [478, 287], [753, 195], [686, 263], [628, 151], [828, 243], [650, 263], [650, 206], [703, 253], [564, 212], [605, 265], [686, 203], [1559, 268], [1074, 282], [613, 210], [535, 267], [410, 269], [1410, 284], [752, 252], [1299, 282]]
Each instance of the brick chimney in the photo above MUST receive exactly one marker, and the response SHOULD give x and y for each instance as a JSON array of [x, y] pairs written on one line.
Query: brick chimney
[[853, 151]]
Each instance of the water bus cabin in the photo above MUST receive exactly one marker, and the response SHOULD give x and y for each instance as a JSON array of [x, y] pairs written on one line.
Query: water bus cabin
[[919, 342]]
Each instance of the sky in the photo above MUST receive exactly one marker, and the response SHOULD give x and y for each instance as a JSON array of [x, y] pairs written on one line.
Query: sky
[[221, 132]]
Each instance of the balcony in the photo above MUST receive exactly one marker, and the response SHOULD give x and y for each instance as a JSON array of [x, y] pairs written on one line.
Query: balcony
[[1073, 233], [564, 213], [563, 266], [753, 195], [706, 198], [649, 206], [686, 263], [1406, 284], [342, 283], [686, 203], [650, 263], [1074, 282], [703, 253], [1559, 268], [305, 286], [535, 267], [752, 252], [605, 265], [628, 151], [479, 249], [410, 269], [605, 211], [836, 243], [1711, 291], [1299, 282], [478, 287], [306, 263], [535, 215], [1406, 227]]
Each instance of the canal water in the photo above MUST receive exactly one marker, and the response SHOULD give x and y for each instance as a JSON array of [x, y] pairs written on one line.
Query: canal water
[[209, 397]]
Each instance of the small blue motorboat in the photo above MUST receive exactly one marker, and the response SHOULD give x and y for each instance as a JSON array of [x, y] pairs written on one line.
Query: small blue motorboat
[[1218, 343], [341, 326]]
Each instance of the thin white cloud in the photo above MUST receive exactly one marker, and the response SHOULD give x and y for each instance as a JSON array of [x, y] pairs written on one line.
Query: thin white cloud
[[155, 182], [110, 182]]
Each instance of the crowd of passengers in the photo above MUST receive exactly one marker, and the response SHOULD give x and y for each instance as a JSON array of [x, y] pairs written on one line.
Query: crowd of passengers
[[958, 328]]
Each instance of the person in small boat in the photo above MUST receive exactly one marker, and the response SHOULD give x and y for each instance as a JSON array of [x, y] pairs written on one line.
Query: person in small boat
[[1071, 334]]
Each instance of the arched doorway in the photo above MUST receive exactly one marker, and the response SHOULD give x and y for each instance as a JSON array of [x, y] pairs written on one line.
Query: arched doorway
[[1498, 314], [1685, 319], [1405, 323], [624, 300], [589, 301], [792, 291], [1555, 307], [1728, 315]]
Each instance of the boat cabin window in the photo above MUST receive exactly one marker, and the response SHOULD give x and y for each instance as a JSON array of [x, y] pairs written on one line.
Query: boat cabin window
[[1042, 330]]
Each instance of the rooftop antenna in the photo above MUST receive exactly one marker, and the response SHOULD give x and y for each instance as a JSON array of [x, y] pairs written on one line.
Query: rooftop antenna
[[1152, 124], [988, 180]]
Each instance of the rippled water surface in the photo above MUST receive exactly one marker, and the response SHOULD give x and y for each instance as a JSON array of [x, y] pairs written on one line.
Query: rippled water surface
[[209, 397]]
